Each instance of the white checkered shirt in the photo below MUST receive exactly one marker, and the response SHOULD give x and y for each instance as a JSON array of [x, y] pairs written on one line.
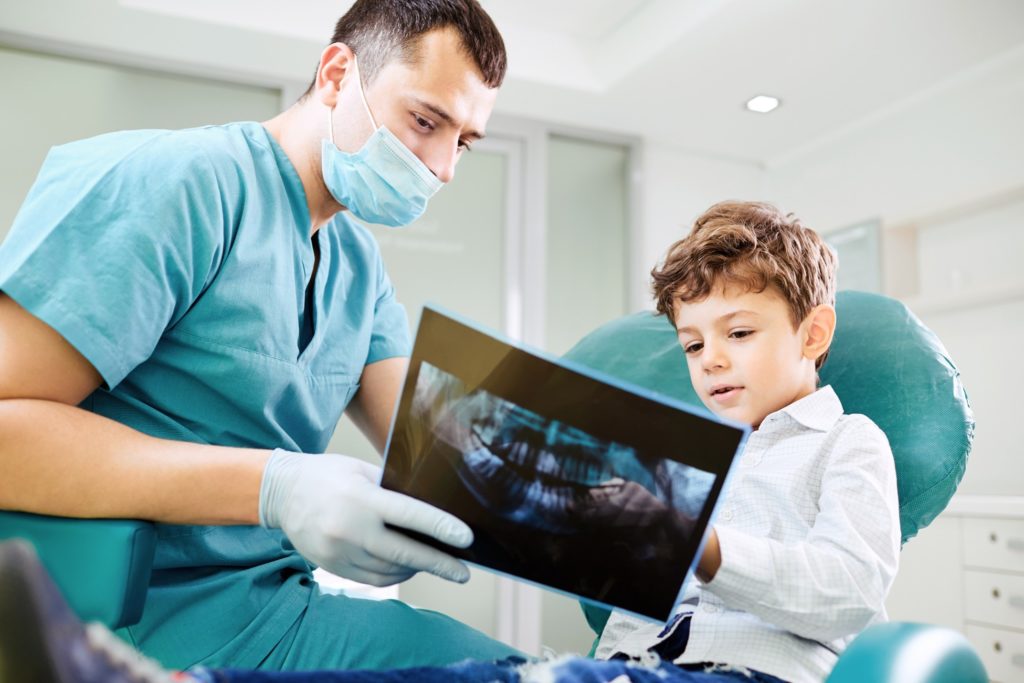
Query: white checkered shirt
[[809, 530]]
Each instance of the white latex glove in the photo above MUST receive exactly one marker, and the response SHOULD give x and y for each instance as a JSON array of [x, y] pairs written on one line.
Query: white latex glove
[[333, 511]]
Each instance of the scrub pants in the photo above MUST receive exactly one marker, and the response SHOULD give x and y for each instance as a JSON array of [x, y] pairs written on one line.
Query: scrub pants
[[341, 632]]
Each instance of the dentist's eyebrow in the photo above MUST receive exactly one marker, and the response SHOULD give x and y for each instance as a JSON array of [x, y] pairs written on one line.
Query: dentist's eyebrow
[[724, 319], [447, 118]]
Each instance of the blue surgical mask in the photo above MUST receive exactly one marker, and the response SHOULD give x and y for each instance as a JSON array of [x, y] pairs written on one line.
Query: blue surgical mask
[[384, 182]]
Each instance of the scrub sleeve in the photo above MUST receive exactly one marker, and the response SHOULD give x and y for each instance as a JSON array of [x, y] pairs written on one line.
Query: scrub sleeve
[[111, 253]]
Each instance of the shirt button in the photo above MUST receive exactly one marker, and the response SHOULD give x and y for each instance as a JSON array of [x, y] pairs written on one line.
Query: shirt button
[[710, 609], [727, 514]]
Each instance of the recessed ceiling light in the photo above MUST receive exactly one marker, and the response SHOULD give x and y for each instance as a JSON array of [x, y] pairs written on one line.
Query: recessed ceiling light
[[762, 104]]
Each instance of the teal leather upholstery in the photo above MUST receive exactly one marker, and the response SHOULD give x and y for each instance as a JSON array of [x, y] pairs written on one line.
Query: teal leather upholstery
[[909, 653], [884, 363], [102, 566]]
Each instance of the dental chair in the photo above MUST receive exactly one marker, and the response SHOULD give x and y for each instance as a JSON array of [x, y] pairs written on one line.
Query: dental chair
[[883, 363]]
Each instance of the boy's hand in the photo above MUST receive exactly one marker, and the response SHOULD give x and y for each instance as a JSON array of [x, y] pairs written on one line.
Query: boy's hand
[[711, 560], [619, 502]]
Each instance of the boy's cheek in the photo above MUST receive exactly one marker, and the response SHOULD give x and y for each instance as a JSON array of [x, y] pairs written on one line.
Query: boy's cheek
[[695, 381]]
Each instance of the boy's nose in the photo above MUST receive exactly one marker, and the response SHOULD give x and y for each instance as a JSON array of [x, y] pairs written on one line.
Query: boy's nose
[[712, 358]]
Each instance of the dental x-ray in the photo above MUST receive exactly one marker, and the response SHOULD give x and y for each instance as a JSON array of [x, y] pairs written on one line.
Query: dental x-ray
[[569, 480]]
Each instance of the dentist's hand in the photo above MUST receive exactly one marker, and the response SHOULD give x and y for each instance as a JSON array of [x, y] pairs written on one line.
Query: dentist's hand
[[333, 511]]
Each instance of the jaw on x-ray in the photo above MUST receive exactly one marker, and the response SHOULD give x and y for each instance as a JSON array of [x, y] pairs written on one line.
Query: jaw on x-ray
[[546, 474], [540, 491]]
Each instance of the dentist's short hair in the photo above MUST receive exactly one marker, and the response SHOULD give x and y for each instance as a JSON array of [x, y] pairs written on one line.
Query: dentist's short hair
[[379, 31], [752, 245]]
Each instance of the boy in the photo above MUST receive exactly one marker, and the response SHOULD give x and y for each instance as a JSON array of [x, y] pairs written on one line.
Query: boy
[[807, 539]]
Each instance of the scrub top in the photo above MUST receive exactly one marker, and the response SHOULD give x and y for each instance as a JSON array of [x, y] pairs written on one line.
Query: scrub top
[[177, 262]]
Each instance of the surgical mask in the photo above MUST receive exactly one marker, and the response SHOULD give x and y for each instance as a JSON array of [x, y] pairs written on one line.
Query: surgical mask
[[384, 182]]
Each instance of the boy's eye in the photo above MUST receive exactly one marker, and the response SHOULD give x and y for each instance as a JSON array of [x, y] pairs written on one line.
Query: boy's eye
[[740, 334], [693, 347]]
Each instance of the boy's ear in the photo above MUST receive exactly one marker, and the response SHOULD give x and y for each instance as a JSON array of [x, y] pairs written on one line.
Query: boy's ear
[[819, 327]]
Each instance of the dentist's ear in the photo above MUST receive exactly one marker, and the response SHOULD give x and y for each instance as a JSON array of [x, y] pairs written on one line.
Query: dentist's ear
[[336, 61], [819, 328]]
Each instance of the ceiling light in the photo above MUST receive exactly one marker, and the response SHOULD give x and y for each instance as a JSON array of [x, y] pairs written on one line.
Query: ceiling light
[[762, 104]]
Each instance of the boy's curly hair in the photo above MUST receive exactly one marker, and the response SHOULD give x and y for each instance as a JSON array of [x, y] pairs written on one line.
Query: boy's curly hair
[[752, 245]]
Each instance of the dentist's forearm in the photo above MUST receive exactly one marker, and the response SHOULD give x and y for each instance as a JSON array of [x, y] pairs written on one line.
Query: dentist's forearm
[[61, 460]]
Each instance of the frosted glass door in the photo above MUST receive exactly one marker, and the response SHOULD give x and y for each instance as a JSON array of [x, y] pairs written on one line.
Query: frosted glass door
[[587, 238], [51, 100], [587, 270]]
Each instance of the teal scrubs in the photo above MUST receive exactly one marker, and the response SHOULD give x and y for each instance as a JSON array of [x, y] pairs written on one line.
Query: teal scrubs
[[177, 263]]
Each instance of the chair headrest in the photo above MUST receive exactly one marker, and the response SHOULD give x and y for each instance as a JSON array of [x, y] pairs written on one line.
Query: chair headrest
[[883, 363]]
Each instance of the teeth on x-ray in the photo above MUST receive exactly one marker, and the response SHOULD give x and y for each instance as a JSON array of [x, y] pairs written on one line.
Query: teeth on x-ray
[[530, 469], [529, 491]]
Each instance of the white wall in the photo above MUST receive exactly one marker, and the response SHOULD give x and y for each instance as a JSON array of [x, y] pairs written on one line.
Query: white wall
[[105, 98], [944, 171], [104, 30], [949, 146], [676, 187]]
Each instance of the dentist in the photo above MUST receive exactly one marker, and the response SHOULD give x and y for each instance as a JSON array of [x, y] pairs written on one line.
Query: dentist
[[184, 316]]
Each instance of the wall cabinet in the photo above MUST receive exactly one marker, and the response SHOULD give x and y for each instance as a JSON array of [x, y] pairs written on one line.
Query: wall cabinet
[[966, 571]]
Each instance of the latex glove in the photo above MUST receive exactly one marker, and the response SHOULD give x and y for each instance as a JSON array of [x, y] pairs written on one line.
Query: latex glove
[[333, 511]]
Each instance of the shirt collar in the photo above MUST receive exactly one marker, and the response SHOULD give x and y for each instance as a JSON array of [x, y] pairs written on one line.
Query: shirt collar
[[818, 411]]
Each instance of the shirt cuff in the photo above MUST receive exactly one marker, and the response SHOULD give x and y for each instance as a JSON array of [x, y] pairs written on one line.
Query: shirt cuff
[[747, 571]]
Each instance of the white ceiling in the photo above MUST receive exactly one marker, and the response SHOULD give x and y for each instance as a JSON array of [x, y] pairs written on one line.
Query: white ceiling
[[679, 71]]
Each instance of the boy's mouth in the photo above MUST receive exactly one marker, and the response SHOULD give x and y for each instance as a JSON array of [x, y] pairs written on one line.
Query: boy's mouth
[[722, 393]]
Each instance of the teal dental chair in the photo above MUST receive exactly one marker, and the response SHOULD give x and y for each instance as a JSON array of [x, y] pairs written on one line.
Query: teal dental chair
[[884, 363], [102, 566]]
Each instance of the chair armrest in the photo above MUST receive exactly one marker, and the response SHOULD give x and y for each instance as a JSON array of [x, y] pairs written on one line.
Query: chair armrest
[[596, 617], [909, 653], [102, 566]]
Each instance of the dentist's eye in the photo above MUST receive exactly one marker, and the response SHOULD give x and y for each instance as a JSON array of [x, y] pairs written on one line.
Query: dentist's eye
[[464, 146], [423, 123]]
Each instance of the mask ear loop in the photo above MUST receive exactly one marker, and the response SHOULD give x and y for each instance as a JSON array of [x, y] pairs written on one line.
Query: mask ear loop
[[362, 93], [330, 124]]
